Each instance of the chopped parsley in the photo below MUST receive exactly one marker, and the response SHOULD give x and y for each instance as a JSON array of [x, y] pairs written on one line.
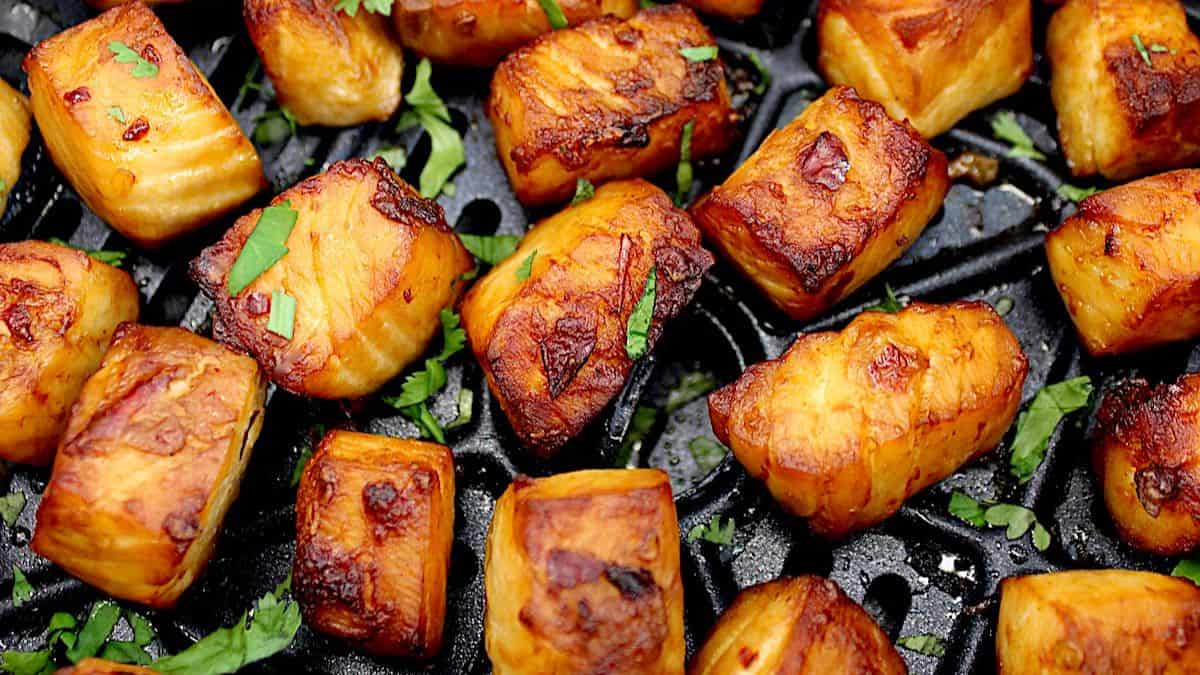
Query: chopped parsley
[[265, 246], [644, 419], [554, 13], [142, 68], [282, 320], [427, 110], [707, 453], [637, 328], [713, 531], [114, 258], [764, 73], [116, 113], [11, 506], [420, 386], [273, 126], [22, 591], [1017, 520], [1003, 305], [490, 249], [1188, 568], [927, 644], [1075, 193], [1036, 425], [526, 267], [396, 157], [890, 303], [699, 54], [584, 190], [684, 173], [691, 386], [1141, 48], [350, 7], [466, 403], [1006, 128]]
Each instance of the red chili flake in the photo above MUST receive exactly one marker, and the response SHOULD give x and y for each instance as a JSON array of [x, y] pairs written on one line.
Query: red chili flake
[[746, 656], [137, 130], [78, 95], [258, 304], [825, 162], [151, 55]]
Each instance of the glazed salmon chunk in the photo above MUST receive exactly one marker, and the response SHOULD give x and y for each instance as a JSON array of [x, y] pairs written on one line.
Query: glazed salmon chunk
[[14, 136]]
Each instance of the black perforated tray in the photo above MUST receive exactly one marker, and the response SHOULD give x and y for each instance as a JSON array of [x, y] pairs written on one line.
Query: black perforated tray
[[920, 572]]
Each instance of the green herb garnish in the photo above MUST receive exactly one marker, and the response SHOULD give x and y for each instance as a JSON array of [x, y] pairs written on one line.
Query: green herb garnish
[[273, 126], [1017, 520], [699, 54], [526, 267], [142, 68], [22, 591], [584, 190], [691, 386], [350, 7], [1075, 194], [637, 328], [927, 644], [644, 419], [890, 303], [466, 401], [396, 157], [1141, 48], [764, 73], [713, 531], [684, 173], [1006, 128], [554, 13], [1036, 425], [265, 246], [114, 258], [116, 113], [420, 386], [11, 506], [282, 320], [490, 249], [1188, 568], [427, 110], [707, 453]]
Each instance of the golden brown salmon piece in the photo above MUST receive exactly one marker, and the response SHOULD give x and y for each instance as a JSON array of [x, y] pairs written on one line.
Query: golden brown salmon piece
[[1125, 111], [1127, 264], [826, 203], [1098, 621], [14, 136], [144, 141], [553, 345], [327, 67], [92, 666], [796, 626], [370, 264], [736, 10], [930, 61], [58, 311], [481, 32], [846, 426], [150, 463], [582, 576], [374, 526], [606, 100]]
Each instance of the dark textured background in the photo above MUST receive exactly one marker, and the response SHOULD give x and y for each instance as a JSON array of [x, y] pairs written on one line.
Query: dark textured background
[[920, 572]]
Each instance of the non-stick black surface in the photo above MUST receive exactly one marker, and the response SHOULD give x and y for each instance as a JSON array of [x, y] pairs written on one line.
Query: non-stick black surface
[[922, 571]]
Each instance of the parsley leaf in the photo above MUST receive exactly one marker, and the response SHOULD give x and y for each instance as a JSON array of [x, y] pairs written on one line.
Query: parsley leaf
[[429, 112], [1036, 425], [420, 386], [11, 506], [1188, 568], [396, 157], [713, 531], [699, 54], [554, 13], [584, 190], [1141, 48], [466, 402], [143, 631], [306, 454], [490, 249], [142, 68], [114, 258], [1006, 128], [96, 629], [267, 630], [644, 419], [116, 113], [1003, 305], [526, 267], [454, 338], [265, 246], [282, 320], [22, 591], [707, 453], [27, 663], [764, 73], [648, 4], [1017, 520], [691, 386], [1075, 193], [637, 329], [350, 7], [684, 173], [273, 126], [890, 304], [927, 644]]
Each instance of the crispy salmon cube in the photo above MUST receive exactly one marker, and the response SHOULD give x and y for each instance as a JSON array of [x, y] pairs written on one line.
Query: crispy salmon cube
[[14, 136], [905, 399], [553, 344], [150, 463], [826, 203], [1126, 85], [374, 527], [369, 265], [932, 62], [137, 129], [606, 100], [737, 10], [58, 311], [582, 576], [92, 666]]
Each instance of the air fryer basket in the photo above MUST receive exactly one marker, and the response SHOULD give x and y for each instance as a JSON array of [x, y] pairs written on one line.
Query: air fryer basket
[[922, 571]]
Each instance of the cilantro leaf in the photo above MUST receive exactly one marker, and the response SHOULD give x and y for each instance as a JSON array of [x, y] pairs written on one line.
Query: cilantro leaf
[[1006, 128], [114, 258], [1188, 568], [1017, 520], [490, 249], [684, 173], [713, 531], [123, 651], [420, 386], [22, 591], [350, 7], [584, 190], [466, 401], [526, 267], [429, 112], [396, 157], [690, 387], [454, 338], [1036, 425], [707, 453], [11, 506], [764, 73], [890, 304], [644, 419], [143, 630], [27, 663], [427, 424], [637, 329], [95, 631], [266, 245], [554, 13], [270, 628], [273, 126], [1003, 305], [699, 54], [306, 454], [1075, 193], [927, 644], [1141, 48], [967, 509], [142, 68]]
